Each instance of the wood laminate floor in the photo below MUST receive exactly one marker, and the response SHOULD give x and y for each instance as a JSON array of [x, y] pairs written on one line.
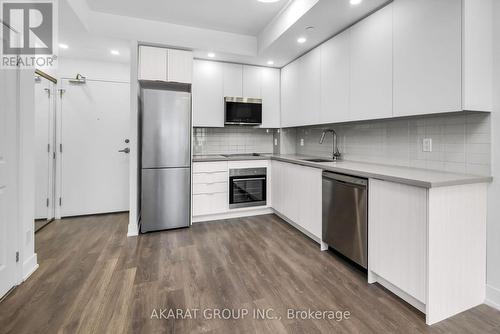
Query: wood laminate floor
[[92, 279]]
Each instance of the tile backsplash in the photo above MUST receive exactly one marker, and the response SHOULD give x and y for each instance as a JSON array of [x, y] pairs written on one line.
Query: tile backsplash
[[230, 140], [461, 142]]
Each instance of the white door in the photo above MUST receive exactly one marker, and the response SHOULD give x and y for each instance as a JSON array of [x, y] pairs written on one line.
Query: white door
[[8, 176], [95, 125], [44, 148]]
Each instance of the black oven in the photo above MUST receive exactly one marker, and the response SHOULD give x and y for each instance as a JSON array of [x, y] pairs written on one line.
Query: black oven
[[247, 187], [243, 111]]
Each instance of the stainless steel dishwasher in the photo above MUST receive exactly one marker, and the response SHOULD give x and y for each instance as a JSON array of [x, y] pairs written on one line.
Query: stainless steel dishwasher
[[345, 216]]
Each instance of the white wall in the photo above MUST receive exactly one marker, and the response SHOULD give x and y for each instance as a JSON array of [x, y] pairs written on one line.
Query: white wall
[[26, 236], [95, 70], [493, 257], [134, 213]]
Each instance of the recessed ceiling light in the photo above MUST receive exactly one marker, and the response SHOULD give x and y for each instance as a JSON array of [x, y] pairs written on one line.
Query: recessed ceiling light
[[63, 46], [355, 2], [114, 52], [301, 40], [270, 62], [211, 54]]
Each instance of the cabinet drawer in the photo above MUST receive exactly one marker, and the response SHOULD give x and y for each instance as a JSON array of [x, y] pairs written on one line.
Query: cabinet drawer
[[210, 167], [212, 177], [210, 188], [206, 204]]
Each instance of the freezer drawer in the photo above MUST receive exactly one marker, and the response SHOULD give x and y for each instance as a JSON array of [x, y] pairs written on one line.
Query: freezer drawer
[[166, 201]]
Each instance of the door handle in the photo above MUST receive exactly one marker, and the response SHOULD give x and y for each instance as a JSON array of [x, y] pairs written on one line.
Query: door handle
[[125, 150]]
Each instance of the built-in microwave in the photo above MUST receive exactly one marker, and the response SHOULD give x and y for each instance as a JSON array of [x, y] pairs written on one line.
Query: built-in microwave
[[243, 111]]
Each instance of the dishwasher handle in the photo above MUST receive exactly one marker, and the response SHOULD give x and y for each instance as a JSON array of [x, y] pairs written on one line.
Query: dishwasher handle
[[346, 179]]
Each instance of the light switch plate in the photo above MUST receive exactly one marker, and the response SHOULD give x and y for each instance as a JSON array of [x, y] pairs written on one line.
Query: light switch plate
[[427, 145], [301, 141], [275, 141]]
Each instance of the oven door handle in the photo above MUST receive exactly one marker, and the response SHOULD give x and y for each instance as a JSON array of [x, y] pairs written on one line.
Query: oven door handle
[[249, 179]]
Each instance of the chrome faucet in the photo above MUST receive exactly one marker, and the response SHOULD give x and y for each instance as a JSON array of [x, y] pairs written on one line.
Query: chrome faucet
[[336, 155]]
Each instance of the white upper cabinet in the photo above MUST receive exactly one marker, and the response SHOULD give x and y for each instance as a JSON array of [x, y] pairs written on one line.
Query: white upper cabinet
[[477, 59], [270, 93], [290, 95], [152, 63], [233, 79], [427, 56], [212, 81], [252, 81], [208, 94], [371, 67], [335, 79], [162, 64], [309, 87], [179, 66]]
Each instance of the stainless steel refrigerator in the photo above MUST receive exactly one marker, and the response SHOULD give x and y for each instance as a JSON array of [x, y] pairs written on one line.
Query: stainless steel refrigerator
[[165, 118]]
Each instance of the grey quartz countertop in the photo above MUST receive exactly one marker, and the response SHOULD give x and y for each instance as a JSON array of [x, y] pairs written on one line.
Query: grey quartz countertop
[[406, 175]]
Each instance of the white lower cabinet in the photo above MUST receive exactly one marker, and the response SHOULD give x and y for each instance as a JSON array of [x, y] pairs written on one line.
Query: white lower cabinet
[[296, 194], [398, 235], [210, 188], [210, 203], [428, 246]]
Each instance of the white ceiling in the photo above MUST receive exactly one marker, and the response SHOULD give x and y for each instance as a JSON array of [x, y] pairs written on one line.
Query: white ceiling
[[247, 17], [93, 27], [328, 17], [86, 45]]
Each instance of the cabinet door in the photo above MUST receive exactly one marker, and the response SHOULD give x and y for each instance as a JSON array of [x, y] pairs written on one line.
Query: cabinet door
[[180, 66], [208, 97], [270, 97], [310, 200], [427, 56], [291, 192], [290, 94], [397, 240], [152, 63], [277, 186], [309, 88], [233, 79], [371, 66], [335, 79], [251, 81]]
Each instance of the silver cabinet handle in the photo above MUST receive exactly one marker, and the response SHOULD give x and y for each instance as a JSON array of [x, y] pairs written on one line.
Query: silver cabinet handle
[[125, 150]]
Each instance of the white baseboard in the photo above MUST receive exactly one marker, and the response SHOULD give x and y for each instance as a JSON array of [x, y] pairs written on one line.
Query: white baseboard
[[235, 214], [492, 297], [133, 229], [398, 292], [29, 267], [298, 227]]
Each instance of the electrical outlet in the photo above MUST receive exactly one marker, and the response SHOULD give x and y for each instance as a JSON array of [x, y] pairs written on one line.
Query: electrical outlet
[[427, 145], [275, 141], [301, 141]]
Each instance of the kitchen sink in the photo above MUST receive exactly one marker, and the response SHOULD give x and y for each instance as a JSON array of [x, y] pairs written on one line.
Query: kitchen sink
[[317, 160]]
